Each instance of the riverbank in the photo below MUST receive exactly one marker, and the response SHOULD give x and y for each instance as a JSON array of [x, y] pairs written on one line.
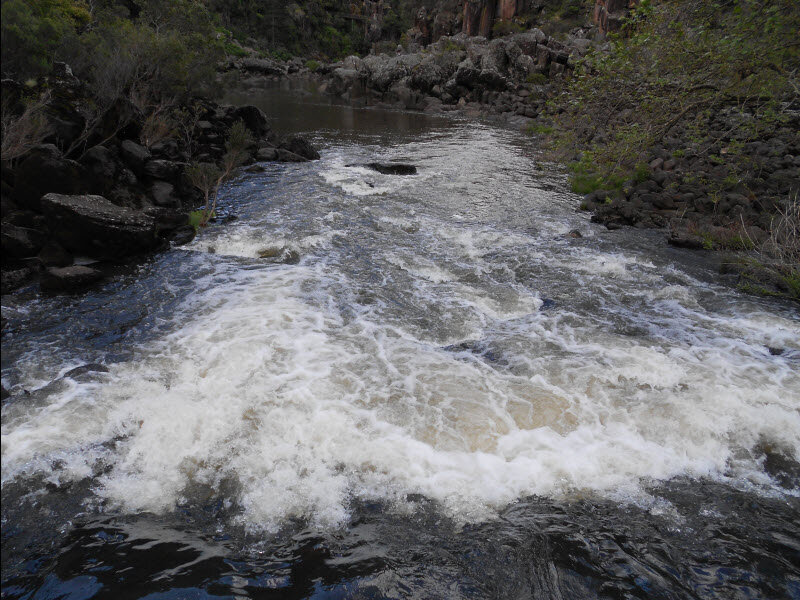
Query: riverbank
[[444, 376], [91, 193]]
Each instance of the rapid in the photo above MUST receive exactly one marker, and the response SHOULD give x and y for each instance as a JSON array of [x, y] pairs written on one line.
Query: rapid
[[381, 386]]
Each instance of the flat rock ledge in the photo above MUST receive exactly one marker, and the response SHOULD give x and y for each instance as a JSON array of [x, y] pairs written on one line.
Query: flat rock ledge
[[93, 226]]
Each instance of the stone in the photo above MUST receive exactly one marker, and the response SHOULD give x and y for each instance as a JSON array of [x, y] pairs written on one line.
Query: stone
[[134, 155], [71, 278], [45, 170], [162, 169], [54, 255], [94, 226], [284, 155], [254, 119], [300, 146], [182, 235], [267, 154], [392, 168], [21, 242], [11, 279], [100, 168], [162, 193], [79, 372]]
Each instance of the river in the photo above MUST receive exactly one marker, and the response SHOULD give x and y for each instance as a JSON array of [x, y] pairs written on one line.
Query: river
[[427, 389]]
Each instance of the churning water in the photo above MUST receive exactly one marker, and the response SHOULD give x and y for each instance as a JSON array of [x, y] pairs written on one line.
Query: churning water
[[376, 386]]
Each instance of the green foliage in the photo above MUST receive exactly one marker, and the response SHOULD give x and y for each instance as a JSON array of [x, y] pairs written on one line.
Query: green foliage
[[32, 31], [503, 27], [312, 65], [234, 49], [196, 219], [671, 70], [536, 78]]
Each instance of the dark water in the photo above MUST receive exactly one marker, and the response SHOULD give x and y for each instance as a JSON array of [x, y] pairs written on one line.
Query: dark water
[[446, 397]]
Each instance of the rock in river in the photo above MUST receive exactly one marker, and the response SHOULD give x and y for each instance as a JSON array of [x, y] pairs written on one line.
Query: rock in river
[[390, 168], [69, 278]]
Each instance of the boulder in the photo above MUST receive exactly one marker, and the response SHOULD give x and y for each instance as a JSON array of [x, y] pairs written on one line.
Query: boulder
[[68, 278], [284, 155], [392, 168], [267, 154], [45, 170], [254, 119], [94, 226], [20, 242], [134, 155], [100, 168], [162, 193], [165, 170], [300, 146], [53, 255]]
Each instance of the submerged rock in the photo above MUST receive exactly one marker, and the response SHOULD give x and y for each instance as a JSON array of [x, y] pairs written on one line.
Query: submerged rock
[[390, 168], [63, 279], [278, 254]]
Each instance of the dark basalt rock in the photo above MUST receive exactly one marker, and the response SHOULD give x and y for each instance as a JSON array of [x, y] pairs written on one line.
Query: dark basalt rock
[[20, 242], [53, 255], [284, 155], [94, 226], [84, 369], [255, 120], [300, 146], [67, 279], [182, 235], [391, 168], [45, 170]]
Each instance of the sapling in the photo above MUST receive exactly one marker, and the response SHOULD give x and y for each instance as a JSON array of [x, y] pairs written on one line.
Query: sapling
[[208, 177]]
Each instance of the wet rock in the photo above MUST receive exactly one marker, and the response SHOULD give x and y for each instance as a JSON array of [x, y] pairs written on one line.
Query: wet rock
[[284, 155], [163, 194], [681, 237], [575, 234], [280, 255], [77, 372], [182, 235], [66, 279], [254, 119], [267, 154], [300, 146], [165, 170], [20, 242], [392, 168], [4, 393], [12, 278], [54, 255], [94, 226]]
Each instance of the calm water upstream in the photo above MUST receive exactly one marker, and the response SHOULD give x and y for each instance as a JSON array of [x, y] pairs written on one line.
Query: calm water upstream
[[446, 397]]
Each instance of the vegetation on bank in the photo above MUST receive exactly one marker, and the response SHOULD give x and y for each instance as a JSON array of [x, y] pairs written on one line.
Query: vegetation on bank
[[712, 86], [671, 69]]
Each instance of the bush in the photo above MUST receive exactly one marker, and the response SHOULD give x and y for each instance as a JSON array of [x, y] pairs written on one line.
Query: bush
[[671, 71]]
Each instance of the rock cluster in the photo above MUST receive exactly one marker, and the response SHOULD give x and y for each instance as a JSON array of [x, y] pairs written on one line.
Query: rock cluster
[[113, 196], [505, 75], [702, 201]]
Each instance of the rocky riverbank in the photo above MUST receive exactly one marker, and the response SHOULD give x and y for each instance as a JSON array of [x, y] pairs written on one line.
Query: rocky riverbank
[[111, 191]]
